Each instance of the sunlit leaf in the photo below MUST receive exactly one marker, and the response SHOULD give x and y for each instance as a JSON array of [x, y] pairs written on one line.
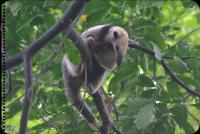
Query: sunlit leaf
[[145, 116]]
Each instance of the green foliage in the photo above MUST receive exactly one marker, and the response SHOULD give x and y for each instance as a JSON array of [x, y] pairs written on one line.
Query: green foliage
[[145, 116], [148, 104]]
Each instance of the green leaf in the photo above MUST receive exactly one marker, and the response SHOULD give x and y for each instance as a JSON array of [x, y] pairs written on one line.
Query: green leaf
[[130, 84], [184, 124], [179, 110], [164, 96], [180, 65], [145, 81], [148, 93], [14, 110], [49, 19], [145, 116], [166, 126], [124, 72], [157, 51], [38, 20], [133, 105], [154, 34], [174, 89], [183, 49], [39, 127], [170, 51]]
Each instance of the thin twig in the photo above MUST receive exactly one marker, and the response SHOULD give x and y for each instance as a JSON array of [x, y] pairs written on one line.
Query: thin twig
[[16, 100], [133, 44], [43, 69], [177, 80], [66, 34], [25, 56], [69, 16], [184, 98], [138, 46], [188, 34]]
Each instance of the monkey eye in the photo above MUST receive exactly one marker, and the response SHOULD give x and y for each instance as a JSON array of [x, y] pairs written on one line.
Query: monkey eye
[[115, 34]]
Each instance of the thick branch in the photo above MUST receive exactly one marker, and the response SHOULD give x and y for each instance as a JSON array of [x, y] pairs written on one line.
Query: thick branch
[[133, 44], [138, 46], [69, 16], [14, 60], [25, 56], [165, 66], [28, 97], [83, 48], [104, 113]]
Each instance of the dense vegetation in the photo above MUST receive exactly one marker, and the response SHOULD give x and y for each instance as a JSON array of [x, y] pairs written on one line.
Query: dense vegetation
[[149, 100]]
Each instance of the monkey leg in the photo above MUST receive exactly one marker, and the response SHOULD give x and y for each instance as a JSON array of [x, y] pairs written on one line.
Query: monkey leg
[[73, 81], [105, 116]]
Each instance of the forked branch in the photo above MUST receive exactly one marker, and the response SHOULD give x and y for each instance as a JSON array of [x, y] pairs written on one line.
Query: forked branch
[[133, 44], [64, 23], [28, 96], [69, 16], [83, 49]]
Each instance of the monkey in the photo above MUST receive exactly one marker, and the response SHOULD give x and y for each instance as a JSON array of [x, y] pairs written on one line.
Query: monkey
[[108, 45]]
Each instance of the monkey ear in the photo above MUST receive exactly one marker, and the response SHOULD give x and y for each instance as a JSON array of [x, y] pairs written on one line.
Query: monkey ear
[[115, 34]]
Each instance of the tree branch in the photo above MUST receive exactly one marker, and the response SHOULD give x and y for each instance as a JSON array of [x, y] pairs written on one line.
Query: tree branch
[[65, 22], [104, 113], [83, 49], [69, 16], [184, 37], [137, 46], [177, 80], [28, 97]]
